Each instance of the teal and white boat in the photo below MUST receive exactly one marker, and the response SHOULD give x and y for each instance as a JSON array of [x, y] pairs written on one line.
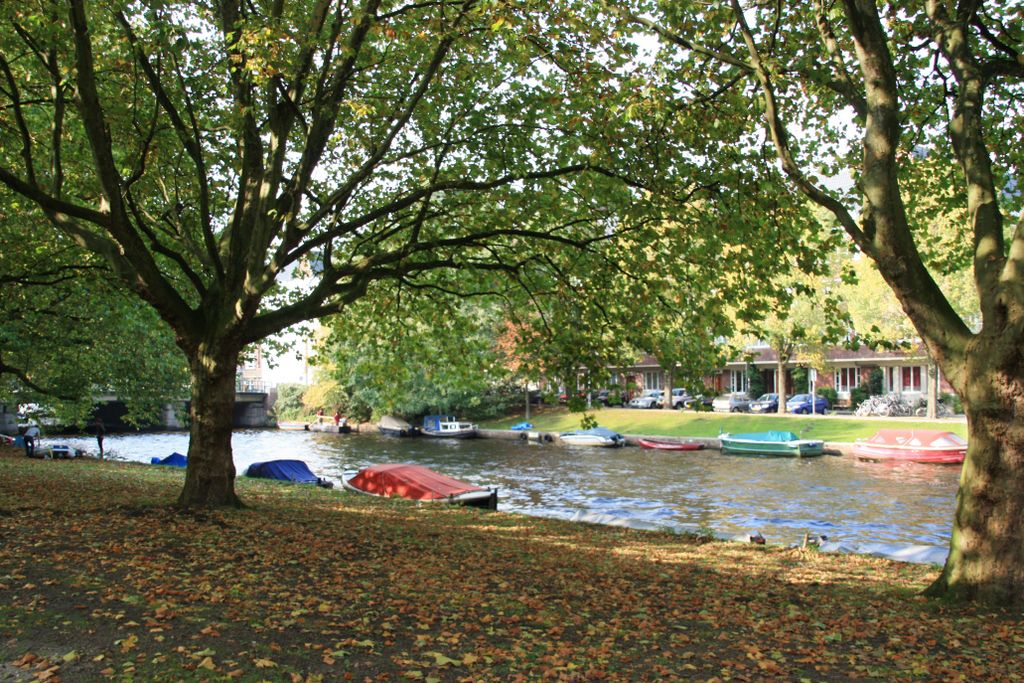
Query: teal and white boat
[[771, 443]]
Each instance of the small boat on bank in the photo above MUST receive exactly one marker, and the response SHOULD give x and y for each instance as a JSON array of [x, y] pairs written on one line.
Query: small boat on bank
[[173, 460], [293, 426], [597, 436], [912, 445], [415, 482], [664, 445], [390, 425], [447, 427], [771, 443], [286, 470]]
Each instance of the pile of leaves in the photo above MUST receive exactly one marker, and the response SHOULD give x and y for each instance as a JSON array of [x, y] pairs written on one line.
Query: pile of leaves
[[101, 578]]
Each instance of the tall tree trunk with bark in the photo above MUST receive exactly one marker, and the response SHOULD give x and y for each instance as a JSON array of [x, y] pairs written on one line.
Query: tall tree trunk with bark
[[986, 551], [210, 478]]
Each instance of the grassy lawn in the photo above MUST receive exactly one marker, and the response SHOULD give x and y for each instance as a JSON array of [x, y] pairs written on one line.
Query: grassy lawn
[[102, 579], [837, 428]]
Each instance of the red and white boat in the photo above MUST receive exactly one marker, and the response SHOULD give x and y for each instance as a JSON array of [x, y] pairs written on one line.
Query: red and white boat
[[662, 445], [912, 445], [416, 482]]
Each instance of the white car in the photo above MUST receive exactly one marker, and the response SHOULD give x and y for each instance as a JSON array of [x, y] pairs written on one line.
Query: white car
[[649, 399], [731, 403]]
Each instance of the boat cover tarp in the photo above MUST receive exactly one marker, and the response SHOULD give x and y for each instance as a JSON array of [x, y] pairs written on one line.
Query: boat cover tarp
[[174, 460], [773, 436], [394, 423], [522, 426], [282, 470], [932, 438], [414, 482]]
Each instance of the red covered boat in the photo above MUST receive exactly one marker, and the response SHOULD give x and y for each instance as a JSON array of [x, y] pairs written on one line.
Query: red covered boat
[[669, 445], [912, 445], [416, 482]]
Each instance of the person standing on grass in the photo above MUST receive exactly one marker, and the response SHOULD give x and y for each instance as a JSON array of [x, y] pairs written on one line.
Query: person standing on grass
[[30, 436], [101, 431]]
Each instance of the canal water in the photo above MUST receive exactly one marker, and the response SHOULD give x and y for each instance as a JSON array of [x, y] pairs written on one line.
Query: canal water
[[900, 511]]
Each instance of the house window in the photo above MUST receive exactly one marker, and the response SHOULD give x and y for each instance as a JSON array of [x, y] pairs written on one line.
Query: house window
[[911, 378], [652, 380], [737, 380], [904, 379], [847, 379]]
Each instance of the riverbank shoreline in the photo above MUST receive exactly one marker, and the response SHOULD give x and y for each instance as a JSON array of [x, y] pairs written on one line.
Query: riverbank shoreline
[[538, 436], [781, 513], [103, 579]]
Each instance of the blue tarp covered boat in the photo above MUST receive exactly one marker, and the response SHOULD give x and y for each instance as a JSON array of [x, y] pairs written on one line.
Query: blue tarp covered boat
[[172, 460], [286, 470]]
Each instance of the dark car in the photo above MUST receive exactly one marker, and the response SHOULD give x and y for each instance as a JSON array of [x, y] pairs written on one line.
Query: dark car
[[607, 397], [801, 404], [765, 403]]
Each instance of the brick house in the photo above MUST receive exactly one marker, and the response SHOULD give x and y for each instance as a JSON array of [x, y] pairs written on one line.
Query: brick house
[[904, 371]]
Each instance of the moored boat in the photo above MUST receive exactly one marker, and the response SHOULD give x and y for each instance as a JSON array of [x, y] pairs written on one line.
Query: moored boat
[[415, 482], [286, 470], [396, 426], [912, 445], [597, 436], [664, 445], [293, 426], [173, 460], [448, 427], [771, 443]]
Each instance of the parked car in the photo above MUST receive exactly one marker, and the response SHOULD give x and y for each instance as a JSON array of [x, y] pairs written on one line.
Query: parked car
[[681, 399], [649, 399], [765, 403], [700, 402], [737, 402], [801, 404], [607, 397]]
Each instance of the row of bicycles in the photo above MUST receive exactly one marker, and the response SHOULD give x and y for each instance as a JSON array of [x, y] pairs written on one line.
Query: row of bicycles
[[893, 405]]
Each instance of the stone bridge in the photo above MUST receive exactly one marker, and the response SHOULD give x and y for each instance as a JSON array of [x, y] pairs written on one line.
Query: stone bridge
[[253, 400]]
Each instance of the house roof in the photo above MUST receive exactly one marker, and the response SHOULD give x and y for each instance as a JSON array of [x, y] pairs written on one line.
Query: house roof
[[836, 356]]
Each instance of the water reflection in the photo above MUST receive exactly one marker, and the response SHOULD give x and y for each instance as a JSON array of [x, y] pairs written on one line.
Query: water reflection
[[783, 498]]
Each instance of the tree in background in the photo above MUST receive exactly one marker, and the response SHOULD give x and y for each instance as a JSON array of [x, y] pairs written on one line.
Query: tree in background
[[808, 316], [870, 90], [412, 352], [66, 331], [288, 405]]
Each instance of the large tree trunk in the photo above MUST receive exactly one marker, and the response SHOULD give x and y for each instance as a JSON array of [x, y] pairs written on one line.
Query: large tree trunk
[[986, 558], [210, 477]]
